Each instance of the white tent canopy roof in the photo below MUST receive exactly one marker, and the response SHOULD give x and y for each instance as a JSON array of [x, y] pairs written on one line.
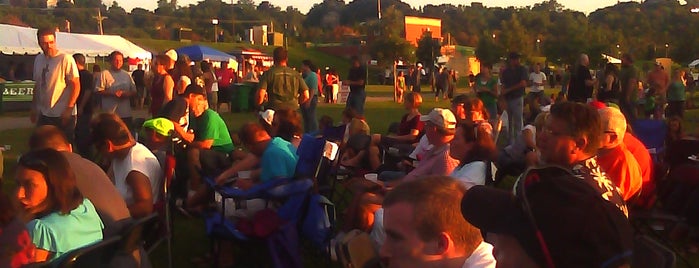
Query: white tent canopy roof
[[611, 59], [22, 40], [694, 63]]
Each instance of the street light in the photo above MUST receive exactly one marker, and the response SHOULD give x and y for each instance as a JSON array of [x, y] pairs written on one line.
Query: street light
[[667, 49], [215, 23], [537, 44], [694, 10], [618, 48]]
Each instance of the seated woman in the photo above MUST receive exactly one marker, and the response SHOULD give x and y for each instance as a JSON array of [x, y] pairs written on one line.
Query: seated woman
[[286, 124], [475, 149], [360, 155], [515, 158], [410, 125], [61, 218], [475, 112]]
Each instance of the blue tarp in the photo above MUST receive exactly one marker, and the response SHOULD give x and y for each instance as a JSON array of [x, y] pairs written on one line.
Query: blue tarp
[[199, 52]]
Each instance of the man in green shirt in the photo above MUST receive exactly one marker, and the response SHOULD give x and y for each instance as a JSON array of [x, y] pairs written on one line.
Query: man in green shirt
[[628, 76], [282, 86], [209, 146]]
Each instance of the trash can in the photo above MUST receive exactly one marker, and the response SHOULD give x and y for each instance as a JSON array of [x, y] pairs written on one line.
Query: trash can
[[242, 94]]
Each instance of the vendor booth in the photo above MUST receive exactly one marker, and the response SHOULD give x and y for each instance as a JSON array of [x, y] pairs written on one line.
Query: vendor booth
[[18, 46]]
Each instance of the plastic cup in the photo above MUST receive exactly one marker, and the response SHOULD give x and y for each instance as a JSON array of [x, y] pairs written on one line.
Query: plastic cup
[[246, 174], [372, 177]]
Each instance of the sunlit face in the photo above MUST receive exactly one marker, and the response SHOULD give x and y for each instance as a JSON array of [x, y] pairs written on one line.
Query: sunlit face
[[403, 246], [509, 253], [117, 62], [197, 104], [459, 147], [48, 45], [554, 142], [32, 189]]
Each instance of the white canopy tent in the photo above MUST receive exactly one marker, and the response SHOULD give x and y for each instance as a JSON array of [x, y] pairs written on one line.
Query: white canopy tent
[[18, 40], [694, 63], [611, 59]]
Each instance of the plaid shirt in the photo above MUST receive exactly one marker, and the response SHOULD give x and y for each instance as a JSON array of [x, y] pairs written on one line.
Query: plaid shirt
[[436, 161]]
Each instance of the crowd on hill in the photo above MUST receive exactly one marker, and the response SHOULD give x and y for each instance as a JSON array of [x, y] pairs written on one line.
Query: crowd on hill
[[429, 192]]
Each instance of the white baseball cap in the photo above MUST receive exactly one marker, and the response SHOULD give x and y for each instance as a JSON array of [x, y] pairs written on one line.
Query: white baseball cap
[[268, 116], [172, 54], [443, 118]]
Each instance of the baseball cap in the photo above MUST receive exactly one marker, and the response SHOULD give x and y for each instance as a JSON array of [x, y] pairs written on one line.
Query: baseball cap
[[194, 89], [613, 121], [440, 117], [267, 115], [172, 54], [558, 219], [160, 125], [419, 64]]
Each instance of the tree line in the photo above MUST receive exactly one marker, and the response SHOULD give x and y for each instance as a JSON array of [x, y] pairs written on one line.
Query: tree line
[[646, 30]]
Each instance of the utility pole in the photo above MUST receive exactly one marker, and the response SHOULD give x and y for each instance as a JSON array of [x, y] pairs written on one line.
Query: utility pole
[[378, 3], [99, 19]]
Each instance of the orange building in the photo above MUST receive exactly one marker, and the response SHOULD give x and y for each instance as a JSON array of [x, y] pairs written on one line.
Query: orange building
[[416, 26]]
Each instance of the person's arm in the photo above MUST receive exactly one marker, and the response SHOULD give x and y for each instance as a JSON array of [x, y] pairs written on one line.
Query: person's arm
[[609, 80], [41, 255], [168, 88], [185, 135], [181, 86], [408, 137], [74, 83], [142, 195], [203, 144], [521, 84], [247, 163], [304, 94]]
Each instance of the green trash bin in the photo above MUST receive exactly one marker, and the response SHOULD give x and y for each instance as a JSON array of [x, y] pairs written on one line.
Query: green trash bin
[[241, 96]]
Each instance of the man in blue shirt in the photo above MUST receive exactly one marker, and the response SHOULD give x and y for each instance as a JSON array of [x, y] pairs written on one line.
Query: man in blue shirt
[[356, 81], [277, 156], [308, 109]]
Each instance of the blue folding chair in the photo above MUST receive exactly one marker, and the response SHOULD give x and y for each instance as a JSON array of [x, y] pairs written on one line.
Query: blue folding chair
[[291, 193]]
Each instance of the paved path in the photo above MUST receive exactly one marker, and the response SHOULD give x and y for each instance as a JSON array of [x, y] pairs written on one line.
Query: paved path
[[18, 122]]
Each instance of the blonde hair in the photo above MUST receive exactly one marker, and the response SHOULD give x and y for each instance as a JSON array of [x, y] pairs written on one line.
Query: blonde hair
[[414, 98]]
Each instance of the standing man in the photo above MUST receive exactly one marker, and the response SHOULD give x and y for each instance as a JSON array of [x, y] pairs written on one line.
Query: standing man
[[139, 78], [416, 77], [581, 81], [85, 106], [357, 82], [308, 111], [514, 80], [116, 88], [282, 86], [226, 78], [659, 81], [57, 86], [628, 76], [536, 93]]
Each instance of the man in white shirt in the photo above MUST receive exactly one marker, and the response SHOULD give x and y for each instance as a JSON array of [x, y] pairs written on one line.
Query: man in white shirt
[[536, 96], [116, 87], [57, 86], [424, 227]]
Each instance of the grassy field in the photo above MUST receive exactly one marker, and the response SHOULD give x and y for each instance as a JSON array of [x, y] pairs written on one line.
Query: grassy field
[[190, 240]]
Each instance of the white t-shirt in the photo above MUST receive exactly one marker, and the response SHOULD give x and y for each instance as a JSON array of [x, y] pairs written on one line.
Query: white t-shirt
[[51, 90], [537, 78], [473, 172], [142, 160], [481, 257], [422, 146], [111, 81]]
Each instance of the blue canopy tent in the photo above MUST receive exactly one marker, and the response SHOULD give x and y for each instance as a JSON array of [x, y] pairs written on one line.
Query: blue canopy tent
[[199, 53]]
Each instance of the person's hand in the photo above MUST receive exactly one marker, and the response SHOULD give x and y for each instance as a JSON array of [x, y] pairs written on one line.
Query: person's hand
[[32, 116], [244, 184]]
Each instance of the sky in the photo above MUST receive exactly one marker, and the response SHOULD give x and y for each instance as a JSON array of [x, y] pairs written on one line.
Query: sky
[[586, 6]]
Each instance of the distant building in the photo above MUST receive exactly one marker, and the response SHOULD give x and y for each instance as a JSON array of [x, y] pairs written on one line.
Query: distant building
[[477, 4], [415, 27], [54, 3]]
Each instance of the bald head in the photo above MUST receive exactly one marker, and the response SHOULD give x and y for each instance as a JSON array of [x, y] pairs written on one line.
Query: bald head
[[584, 59], [49, 137]]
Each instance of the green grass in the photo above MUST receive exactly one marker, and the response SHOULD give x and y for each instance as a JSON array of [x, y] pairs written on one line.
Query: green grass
[[190, 240]]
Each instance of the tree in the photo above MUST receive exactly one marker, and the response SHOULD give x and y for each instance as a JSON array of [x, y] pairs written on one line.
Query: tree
[[487, 51], [428, 49]]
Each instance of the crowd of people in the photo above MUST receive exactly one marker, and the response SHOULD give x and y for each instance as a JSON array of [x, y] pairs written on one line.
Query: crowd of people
[[425, 192]]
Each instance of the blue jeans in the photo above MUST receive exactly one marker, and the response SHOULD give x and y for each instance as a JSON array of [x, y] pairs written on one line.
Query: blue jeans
[[515, 116], [68, 128], [310, 123], [356, 100]]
